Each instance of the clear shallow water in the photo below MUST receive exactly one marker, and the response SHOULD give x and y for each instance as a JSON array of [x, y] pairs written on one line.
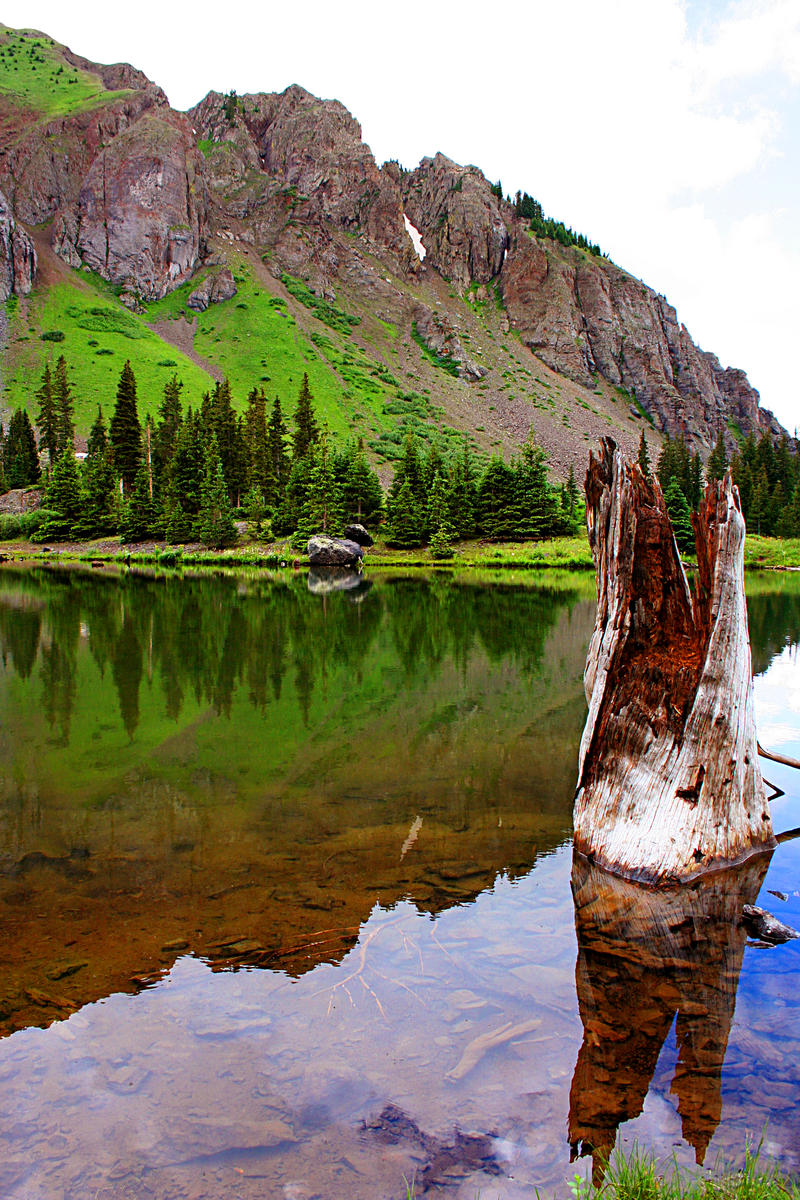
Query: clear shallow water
[[287, 905]]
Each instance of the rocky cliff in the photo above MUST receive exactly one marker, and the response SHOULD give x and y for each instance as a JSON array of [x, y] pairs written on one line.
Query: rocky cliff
[[17, 255], [146, 196]]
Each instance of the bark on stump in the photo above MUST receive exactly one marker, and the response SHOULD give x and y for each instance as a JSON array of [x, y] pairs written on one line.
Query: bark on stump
[[669, 783]]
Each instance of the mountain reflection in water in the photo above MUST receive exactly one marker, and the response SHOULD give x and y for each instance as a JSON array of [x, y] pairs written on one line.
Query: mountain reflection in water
[[285, 901]]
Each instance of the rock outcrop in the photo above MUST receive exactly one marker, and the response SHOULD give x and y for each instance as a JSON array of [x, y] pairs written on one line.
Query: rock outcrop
[[214, 289], [17, 255], [581, 314], [459, 218], [438, 334]]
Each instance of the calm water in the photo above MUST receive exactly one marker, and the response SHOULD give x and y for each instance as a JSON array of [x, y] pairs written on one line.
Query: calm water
[[287, 904]]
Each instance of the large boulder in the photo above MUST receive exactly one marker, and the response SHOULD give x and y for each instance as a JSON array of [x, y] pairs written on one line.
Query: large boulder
[[326, 551], [358, 534]]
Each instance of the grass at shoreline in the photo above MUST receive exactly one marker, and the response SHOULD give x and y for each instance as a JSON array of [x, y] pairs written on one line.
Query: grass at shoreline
[[561, 554]]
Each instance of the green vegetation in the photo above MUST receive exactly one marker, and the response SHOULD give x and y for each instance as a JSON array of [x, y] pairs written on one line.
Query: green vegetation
[[322, 309], [34, 74], [99, 335], [546, 227], [443, 361]]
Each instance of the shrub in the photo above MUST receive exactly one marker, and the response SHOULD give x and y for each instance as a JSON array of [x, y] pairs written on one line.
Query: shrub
[[52, 335]]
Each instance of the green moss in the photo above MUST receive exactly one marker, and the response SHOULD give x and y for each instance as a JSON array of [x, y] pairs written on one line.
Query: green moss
[[443, 361]]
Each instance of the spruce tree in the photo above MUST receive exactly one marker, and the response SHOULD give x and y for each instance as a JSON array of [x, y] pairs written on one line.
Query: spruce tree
[[498, 517], [644, 455], [322, 508], [306, 430], [277, 456], [20, 457], [125, 430], [63, 500], [97, 445], [405, 519], [718, 459], [535, 515], [255, 424], [362, 495], [62, 400], [46, 420], [138, 511], [463, 495], [170, 418], [215, 519], [680, 516]]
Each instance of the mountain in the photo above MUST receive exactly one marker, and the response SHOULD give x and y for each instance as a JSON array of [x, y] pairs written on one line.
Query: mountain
[[256, 237]]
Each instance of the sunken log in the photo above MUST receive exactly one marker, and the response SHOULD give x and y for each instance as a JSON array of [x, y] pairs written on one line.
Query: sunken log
[[669, 783]]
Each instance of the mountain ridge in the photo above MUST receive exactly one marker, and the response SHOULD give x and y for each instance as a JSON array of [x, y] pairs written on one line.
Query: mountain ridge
[[497, 329]]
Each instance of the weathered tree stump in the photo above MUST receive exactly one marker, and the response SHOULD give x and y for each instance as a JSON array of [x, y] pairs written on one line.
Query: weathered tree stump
[[669, 783]]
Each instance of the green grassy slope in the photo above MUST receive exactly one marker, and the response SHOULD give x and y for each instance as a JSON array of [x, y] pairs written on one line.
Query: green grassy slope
[[98, 335], [34, 74]]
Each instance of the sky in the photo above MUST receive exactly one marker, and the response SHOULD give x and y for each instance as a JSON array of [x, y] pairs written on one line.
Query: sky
[[666, 130]]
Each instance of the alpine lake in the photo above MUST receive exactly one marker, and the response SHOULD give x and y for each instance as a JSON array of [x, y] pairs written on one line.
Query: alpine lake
[[288, 905]]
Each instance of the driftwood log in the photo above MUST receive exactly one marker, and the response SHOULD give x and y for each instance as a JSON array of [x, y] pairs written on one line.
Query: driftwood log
[[669, 783]]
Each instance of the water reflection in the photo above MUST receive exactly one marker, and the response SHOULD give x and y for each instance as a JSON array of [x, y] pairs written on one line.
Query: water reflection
[[648, 959]]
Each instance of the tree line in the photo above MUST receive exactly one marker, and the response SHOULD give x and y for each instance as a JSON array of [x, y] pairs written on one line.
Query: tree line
[[766, 473], [188, 473]]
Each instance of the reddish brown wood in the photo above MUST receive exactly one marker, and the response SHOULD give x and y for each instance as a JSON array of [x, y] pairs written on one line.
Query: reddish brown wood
[[669, 783]]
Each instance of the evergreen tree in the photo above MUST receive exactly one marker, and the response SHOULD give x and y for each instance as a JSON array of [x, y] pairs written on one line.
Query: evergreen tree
[[99, 497], [573, 496], [536, 509], [463, 495], [97, 444], [498, 517], [20, 458], [644, 455], [215, 519], [277, 456], [681, 517], [361, 492], [137, 517], [62, 400], [46, 419], [256, 508], [695, 482], [322, 508], [405, 519], [718, 459], [758, 514], [125, 431], [185, 471], [3, 484], [63, 501], [306, 430], [255, 424], [170, 418]]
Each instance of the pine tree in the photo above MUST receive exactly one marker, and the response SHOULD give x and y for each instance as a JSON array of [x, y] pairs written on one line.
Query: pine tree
[[62, 401], [20, 457], [717, 463], [405, 520], [63, 501], [256, 509], [138, 511], [498, 517], [362, 495], [322, 508], [170, 418], [255, 424], [306, 430], [215, 519], [695, 482], [97, 445], [99, 497], [277, 456], [534, 503], [125, 430], [680, 516], [464, 495], [644, 455], [46, 420], [186, 469]]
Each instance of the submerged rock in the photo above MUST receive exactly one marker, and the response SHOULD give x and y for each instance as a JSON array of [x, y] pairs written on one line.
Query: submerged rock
[[324, 551]]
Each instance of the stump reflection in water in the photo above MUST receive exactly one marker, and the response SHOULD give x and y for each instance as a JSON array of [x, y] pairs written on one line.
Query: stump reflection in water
[[648, 958]]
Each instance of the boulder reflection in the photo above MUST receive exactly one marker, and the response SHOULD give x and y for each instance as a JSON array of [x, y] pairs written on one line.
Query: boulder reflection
[[646, 959]]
